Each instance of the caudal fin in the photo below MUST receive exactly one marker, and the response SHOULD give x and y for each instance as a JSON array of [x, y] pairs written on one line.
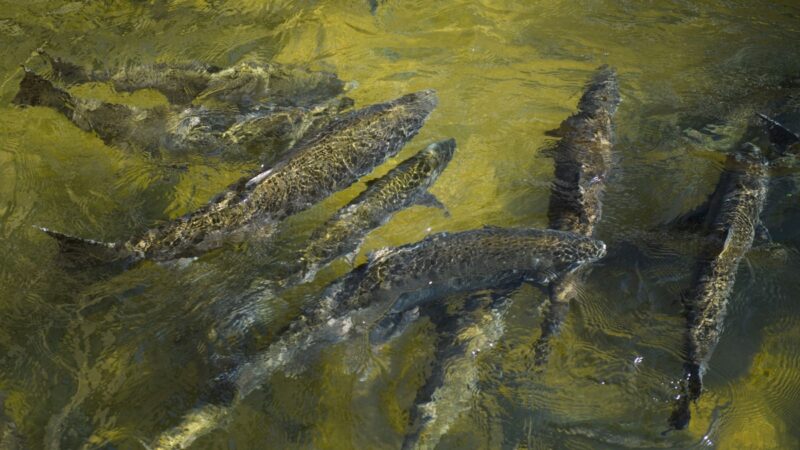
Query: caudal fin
[[88, 252]]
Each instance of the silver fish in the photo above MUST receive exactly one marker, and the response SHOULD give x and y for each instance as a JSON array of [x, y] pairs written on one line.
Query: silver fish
[[455, 378], [245, 84]]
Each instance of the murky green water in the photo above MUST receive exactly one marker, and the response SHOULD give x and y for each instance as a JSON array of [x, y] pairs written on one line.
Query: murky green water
[[117, 359]]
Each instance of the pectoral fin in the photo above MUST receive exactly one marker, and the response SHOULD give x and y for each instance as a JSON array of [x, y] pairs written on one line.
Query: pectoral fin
[[428, 199]]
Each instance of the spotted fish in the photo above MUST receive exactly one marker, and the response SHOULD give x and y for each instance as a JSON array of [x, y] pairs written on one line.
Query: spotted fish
[[403, 186], [348, 148], [454, 379], [391, 282], [583, 158], [730, 219]]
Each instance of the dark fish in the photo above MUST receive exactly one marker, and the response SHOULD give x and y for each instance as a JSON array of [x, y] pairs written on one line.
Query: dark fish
[[405, 185], [401, 187], [583, 158], [730, 220], [244, 85], [348, 148], [394, 281], [267, 132]]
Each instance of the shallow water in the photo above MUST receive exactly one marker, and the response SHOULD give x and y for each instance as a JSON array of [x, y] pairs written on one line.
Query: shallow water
[[117, 359]]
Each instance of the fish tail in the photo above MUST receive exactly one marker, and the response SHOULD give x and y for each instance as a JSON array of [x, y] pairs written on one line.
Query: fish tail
[[88, 252], [691, 387]]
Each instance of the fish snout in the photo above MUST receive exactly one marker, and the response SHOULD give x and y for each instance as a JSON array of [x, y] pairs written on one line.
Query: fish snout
[[422, 100]]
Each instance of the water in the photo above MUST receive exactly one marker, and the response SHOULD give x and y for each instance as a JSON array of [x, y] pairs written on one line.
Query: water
[[117, 359]]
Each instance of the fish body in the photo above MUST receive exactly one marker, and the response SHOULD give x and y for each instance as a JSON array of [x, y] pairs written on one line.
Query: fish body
[[265, 131], [348, 148], [244, 84], [401, 187], [583, 158], [393, 281], [729, 219], [454, 379]]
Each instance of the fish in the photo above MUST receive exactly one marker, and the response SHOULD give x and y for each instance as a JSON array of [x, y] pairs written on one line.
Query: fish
[[403, 186], [393, 281], [454, 379], [729, 220], [341, 235], [245, 84], [583, 160], [330, 160], [268, 132]]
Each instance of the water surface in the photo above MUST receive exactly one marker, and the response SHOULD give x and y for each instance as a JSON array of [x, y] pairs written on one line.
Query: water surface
[[117, 359]]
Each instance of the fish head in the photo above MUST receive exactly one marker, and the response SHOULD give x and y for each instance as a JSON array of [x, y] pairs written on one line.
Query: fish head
[[574, 251], [602, 93], [413, 108], [393, 123], [435, 157], [35, 90]]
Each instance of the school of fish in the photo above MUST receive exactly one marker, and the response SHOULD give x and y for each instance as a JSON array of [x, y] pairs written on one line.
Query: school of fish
[[307, 141]]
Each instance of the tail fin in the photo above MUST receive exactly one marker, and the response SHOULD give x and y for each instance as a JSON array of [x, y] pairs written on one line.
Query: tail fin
[[691, 386], [780, 136], [88, 252], [34, 90]]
